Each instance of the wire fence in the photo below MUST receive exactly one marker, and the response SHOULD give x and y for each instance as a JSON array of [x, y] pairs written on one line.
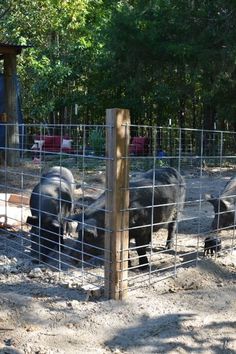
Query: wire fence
[[116, 207]]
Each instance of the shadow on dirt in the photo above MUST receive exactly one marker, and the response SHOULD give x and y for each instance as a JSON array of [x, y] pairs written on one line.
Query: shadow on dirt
[[10, 350], [172, 333]]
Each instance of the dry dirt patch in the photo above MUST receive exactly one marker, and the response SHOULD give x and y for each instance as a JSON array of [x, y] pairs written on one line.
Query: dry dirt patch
[[195, 312]]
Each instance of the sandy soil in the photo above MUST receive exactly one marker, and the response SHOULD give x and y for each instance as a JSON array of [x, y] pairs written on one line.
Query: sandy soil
[[193, 313], [43, 311]]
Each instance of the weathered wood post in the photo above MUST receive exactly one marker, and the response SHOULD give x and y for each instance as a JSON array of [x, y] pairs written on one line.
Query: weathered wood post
[[117, 203], [12, 129]]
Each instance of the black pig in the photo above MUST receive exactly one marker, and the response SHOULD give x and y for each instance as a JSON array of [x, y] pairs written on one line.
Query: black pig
[[224, 206], [51, 201], [212, 245], [168, 199]]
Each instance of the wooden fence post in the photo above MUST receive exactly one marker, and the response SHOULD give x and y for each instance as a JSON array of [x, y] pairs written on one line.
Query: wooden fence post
[[12, 129], [117, 203]]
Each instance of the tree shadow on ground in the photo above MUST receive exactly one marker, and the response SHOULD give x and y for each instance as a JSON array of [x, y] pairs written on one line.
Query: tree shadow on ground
[[172, 333]]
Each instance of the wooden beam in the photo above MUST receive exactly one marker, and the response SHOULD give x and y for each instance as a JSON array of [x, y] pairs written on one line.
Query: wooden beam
[[117, 203], [6, 48], [12, 129], [10, 50]]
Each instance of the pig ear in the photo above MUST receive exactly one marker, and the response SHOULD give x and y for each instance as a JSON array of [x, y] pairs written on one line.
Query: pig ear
[[224, 205], [214, 201], [55, 223], [91, 227], [32, 220], [208, 196]]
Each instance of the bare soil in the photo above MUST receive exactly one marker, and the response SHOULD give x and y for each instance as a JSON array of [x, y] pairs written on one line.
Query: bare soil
[[195, 312]]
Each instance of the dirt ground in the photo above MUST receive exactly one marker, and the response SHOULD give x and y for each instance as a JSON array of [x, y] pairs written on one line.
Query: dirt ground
[[41, 312], [193, 313]]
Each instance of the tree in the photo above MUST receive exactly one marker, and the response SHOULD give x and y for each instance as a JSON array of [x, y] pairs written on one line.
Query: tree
[[158, 58]]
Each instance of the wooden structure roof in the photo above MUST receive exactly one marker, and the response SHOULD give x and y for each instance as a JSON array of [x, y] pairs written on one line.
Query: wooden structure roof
[[7, 48]]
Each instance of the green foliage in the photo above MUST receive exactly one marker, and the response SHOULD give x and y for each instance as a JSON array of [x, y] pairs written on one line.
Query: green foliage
[[96, 141], [158, 58], [161, 163]]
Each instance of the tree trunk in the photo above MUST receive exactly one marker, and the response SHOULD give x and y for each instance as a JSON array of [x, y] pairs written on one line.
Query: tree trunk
[[182, 124], [209, 116]]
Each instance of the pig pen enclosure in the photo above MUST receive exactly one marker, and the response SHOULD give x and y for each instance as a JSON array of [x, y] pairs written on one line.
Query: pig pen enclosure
[[108, 166]]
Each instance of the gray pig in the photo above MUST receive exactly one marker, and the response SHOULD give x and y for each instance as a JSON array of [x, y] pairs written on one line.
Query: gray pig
[[224, 206], [169, 196], [51, 201]]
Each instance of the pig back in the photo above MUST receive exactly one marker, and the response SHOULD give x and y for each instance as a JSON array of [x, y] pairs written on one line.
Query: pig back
[[229, 191], [156, 197], [53, 194], [59, 174]]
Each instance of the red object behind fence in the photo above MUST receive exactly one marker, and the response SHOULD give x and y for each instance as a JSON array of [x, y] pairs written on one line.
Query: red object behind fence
[[139, 145], [52, 143]]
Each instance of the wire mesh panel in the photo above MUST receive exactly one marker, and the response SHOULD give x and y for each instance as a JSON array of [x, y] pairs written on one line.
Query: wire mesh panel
[[57, 171], [57, 199], [206, 161]]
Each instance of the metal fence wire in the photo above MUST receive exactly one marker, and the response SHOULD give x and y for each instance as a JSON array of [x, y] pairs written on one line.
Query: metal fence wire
[[116, 210]]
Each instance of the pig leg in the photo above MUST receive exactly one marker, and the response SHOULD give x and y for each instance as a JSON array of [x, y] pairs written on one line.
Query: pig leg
[[143, 261], [34, 246], [68, 228], [212, 251], [47, 245], [171, 234]]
